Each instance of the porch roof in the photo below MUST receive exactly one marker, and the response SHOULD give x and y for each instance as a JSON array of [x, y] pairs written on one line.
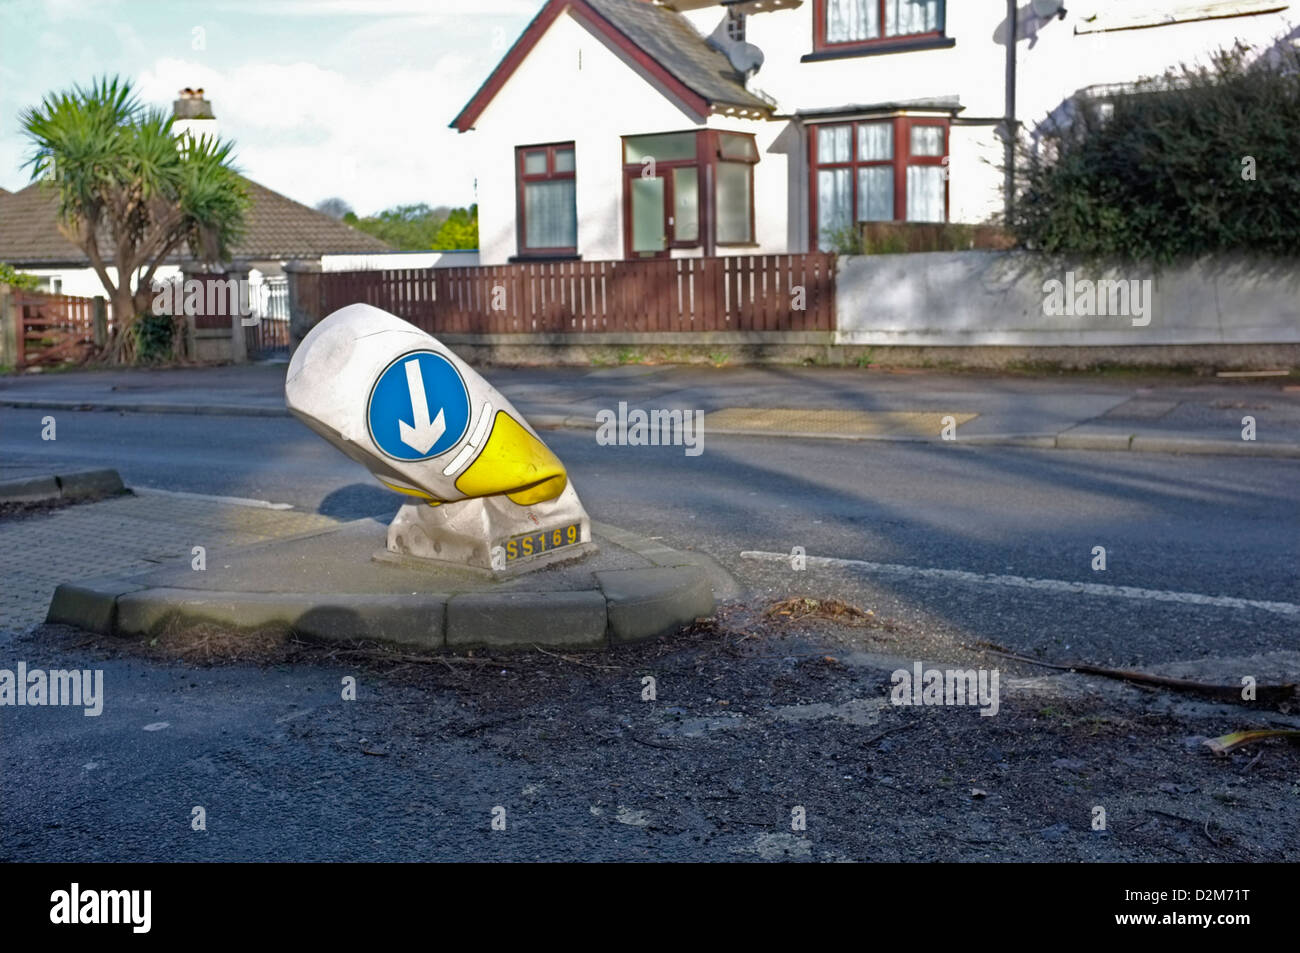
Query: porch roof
[[945, 104]]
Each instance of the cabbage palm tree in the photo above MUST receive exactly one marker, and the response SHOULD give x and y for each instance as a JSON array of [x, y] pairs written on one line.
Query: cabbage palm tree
[[125, 179]]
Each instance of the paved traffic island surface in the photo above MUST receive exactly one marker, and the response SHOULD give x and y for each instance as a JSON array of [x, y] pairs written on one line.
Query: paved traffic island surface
[[326, 584]]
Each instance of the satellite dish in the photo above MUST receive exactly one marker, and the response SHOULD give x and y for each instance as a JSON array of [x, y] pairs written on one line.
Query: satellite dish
[[1048, 8], [745, 57]]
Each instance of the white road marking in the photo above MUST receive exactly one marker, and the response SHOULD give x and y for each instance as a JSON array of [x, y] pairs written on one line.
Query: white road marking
[[232, 500], [1021, 582]]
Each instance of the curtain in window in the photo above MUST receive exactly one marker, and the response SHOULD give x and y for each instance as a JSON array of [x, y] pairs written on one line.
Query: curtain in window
[[875, 141], [876, 193], [848, 20], [903, 17], [834, 204], [834, 144], [927, 140], [550, 214], [925, 193]]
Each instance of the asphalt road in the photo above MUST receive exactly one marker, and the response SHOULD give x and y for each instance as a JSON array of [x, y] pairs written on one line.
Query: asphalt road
[[1217, 526], [270, 749]]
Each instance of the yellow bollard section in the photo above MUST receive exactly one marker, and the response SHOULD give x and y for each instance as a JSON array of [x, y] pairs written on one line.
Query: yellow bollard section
[[515, 463]]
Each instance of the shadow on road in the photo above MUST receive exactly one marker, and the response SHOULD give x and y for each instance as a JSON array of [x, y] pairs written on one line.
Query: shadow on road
[[359, 500]]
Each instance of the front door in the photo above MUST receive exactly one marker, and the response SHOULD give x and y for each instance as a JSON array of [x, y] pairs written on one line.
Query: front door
[[647, 203]]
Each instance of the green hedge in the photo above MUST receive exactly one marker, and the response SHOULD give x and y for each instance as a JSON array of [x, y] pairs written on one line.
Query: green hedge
[[1169, 173]]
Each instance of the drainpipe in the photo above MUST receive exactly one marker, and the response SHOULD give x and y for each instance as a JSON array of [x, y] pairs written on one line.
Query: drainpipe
[[1009, 120]]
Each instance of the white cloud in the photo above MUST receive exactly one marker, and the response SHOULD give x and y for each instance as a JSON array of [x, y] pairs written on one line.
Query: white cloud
[[312, 132], [322, 97]]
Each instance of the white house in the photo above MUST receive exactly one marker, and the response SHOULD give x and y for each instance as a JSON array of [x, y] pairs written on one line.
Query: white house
[[618, 129]]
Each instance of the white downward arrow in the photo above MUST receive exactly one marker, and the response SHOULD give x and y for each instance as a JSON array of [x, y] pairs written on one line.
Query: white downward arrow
[[424, 434]]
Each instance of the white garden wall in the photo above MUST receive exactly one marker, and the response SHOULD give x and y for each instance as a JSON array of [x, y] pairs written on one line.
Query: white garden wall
[[978, 298]]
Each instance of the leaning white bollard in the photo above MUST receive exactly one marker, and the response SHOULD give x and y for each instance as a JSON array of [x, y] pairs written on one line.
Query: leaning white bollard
[[399, 402]]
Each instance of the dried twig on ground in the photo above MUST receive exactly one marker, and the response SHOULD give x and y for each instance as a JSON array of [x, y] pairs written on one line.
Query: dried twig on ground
[[577, 661], [1268, 694]]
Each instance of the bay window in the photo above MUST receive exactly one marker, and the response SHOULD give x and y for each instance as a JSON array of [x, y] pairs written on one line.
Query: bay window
[[547, 200], [877, 170]]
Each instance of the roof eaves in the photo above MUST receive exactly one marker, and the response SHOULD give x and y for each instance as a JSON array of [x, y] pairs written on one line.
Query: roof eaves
[[692, 98], [521, 47]]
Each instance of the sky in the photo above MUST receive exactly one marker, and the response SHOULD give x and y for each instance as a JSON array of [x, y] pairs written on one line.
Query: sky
[[322, 98]]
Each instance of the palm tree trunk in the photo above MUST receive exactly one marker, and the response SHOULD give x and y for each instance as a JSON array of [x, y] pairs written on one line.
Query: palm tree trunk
[[122, 348]]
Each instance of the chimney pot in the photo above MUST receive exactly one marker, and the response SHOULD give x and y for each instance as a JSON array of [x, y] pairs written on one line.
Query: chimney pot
[[192, 105]]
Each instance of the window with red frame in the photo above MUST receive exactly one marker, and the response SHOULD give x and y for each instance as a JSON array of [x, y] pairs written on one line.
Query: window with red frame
[[547, 200], [878, 170], [842, 24]]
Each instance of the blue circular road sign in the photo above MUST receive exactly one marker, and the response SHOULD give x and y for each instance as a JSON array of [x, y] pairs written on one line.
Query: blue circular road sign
[[419, 407]]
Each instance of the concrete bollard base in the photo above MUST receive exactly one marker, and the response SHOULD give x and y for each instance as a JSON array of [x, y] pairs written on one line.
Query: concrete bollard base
[[494, 534]]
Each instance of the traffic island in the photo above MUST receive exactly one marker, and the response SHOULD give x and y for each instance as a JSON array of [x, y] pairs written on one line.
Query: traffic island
[[493, 550], [328, 585]]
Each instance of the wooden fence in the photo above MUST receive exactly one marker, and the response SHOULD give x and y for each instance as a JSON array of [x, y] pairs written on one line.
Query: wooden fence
[[743, 293], [52, 329]]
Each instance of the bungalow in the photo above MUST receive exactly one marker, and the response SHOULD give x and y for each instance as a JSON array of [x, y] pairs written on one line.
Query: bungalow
[[637, 129]]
